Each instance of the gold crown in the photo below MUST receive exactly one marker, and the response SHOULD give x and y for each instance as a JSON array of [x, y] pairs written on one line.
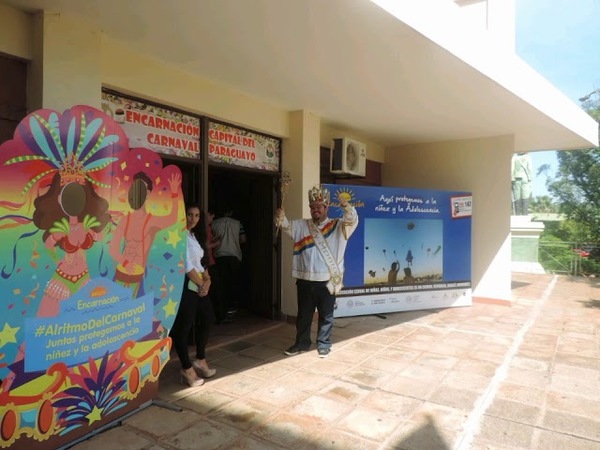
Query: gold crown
[[71, 171], [318, 194]]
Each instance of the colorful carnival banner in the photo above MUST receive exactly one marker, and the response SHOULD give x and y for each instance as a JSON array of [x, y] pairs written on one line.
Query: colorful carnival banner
[[411, 250], [231, 145], [159, 129], [93, 236]]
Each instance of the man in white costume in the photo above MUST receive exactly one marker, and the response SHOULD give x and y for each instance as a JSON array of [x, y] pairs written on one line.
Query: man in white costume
[[317, 265]]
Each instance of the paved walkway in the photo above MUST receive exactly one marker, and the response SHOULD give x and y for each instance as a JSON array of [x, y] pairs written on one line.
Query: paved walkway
[[482, 377]]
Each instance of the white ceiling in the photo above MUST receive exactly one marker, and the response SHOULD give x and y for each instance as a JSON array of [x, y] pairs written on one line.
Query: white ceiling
[[348, 61]]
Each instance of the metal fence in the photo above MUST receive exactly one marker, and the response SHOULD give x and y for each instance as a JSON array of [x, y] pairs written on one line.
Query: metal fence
[[571, 258]]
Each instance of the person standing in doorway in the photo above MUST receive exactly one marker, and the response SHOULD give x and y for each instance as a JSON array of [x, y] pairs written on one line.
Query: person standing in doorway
[[317, 265], [230, 232]]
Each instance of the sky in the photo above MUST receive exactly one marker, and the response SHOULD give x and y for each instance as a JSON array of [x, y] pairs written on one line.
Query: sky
[[560, 40]]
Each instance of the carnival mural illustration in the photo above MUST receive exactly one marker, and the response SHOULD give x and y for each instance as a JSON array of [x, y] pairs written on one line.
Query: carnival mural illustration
[[91, 270]]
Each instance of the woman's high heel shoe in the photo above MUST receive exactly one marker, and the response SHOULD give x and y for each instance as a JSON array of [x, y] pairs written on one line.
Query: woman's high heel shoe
[[204, 373], [190, 378]]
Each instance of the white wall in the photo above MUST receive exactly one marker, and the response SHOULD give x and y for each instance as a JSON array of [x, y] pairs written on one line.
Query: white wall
[[135, 74], [497, 17], [482, 167]]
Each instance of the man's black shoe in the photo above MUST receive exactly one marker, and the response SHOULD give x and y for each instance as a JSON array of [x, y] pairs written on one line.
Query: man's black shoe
[[293, 351], [323, 352]]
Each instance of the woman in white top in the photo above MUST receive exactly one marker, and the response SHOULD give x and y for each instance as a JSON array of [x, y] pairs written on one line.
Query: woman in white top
[[194, 296]]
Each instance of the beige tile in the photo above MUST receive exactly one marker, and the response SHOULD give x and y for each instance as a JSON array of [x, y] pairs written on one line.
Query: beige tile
[[238, 362], [409, 387], [171, 422], [466, 380], [277, 395], [437, 360], [270, 372], [530, 364], [457, 398], [399, 353], [523, 394], [205, 401], [250, 443], [289, 430], [506, 432], [380, 363], [207, 435], [345, 392], [515, 411], [261, 352], [422, 373], [391, 404], [369, 424], [476, 366], [366, 377], [573, 425], [237, 385], [334, 439], [305, 381], [327, 367], [530, 378], [322, 408], [243, 413], [573, 404], [420, 436], [582, 387], [553, 440], [364, 347], [120, 437], [440, 416]]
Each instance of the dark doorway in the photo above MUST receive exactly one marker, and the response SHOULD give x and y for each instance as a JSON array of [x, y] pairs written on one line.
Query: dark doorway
[[13, 81], [251, 195]]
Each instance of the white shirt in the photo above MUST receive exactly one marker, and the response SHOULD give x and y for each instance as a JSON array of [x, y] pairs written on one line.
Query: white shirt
[[307, 261], [194, 254]]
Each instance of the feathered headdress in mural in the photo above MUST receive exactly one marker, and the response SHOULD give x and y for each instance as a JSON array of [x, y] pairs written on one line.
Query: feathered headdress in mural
[[75, 145]]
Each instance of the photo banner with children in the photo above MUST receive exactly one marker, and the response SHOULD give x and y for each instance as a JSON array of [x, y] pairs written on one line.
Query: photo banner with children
[[411, 250], [91, 274]]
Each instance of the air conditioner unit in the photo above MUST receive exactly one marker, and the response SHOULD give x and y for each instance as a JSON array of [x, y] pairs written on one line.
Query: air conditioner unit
[[348, 157]]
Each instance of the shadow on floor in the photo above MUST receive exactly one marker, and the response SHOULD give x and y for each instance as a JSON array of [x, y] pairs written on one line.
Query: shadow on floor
[[426, 436], [591, 303]]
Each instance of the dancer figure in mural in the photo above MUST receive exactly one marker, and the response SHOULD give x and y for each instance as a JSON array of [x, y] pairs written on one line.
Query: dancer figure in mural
[[393, 273], [522, 177], [73, 226], [195, 291], [136, 231], [409, 258], [317, 265]]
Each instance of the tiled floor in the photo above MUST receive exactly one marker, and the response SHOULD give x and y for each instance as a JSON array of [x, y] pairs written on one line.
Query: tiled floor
[[482, 377]]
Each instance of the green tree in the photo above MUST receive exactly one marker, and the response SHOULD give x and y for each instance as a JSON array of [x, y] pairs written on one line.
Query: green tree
[[576, 188], [576, 185], [543, 204]]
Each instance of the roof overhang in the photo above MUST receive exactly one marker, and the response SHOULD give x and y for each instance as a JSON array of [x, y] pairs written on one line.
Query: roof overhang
[[397, 74]]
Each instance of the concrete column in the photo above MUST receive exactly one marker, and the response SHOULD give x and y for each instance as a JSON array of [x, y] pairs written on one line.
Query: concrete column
[[301, 157], [66, 66]]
